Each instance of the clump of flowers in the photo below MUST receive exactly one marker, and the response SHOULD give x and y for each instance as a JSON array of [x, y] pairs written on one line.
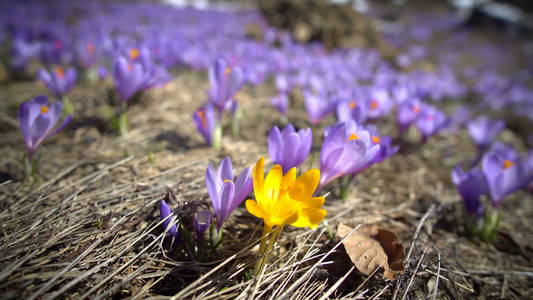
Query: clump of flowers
[[225, 81], [37, 119], [283, 200], [503, 172]]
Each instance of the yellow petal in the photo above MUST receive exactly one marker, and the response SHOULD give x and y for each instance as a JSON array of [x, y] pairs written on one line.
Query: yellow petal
[[310, 218], [289, 178], [259, 178], [254, 209], [274, 178], [305, 185], [315, 202], [285, 220]]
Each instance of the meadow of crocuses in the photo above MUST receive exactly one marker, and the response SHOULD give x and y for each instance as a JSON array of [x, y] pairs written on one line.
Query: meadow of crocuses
[[332, 116]]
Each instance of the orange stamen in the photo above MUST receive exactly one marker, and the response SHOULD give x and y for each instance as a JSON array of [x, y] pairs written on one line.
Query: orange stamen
[[376, 139], [90, 48], [507, 164], [353, 136], [227, 71], [134, 53], [374, 105], [201, 114], [130, 67], [429, 117], [416, 108], [226, 180], [352, 105], [60, 72], [44, 109]]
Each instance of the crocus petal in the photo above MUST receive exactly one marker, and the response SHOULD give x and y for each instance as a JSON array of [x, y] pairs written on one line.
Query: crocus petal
[[259, 178], [226, 196], [310, 218], [212, 183], [225, 170], [291, 149], [305, 185], [255, 210]]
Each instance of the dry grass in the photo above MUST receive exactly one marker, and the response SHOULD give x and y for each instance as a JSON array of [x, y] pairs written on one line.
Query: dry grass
[[53, 247]]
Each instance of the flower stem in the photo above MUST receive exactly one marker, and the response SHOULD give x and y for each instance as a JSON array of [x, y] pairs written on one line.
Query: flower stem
[[67, 106], [262, 246], [263, 261]]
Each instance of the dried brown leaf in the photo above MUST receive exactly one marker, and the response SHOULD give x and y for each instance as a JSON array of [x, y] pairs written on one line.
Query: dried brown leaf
[[370, 252]]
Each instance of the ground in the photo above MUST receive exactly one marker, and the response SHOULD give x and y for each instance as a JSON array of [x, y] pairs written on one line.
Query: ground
[[91, 229]]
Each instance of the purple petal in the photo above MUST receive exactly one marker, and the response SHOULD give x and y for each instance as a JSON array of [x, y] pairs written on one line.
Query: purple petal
[[226, 195], [275, 145], [213, 184], [225, 170]]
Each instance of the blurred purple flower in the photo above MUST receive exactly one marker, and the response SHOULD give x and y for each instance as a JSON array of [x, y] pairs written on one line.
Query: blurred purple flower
[[202, 220], [407, 113], [282, 83], [204, 121], [281, 103], [484, 130], [289, 148], [317, 106], [471, 185], [380, 104], [59, 81], [505, 172], [129, 78], [386, 149], [224, 193], [225, 83], [102, 72], [37, 120], [352, 111], [85, 54], [346, 149], [431, 121]]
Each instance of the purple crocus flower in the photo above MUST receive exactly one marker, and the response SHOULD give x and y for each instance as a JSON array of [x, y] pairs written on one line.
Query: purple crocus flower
[[386, 149], [282, 83], [483, 130], [225, 83], [225, 194], [102, 72], [204, 121], [59, 81], [471, 185], [505, 173], [202, 220], [129, 78], [37, 121], [165, 214], [317, 106], [346, 149], [352, 111], [281, 103], [407, 113], [380, 104], [289, 148], [431, 121]]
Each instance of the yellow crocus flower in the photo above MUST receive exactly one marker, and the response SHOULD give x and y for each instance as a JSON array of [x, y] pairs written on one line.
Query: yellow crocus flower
[[284, 200]]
